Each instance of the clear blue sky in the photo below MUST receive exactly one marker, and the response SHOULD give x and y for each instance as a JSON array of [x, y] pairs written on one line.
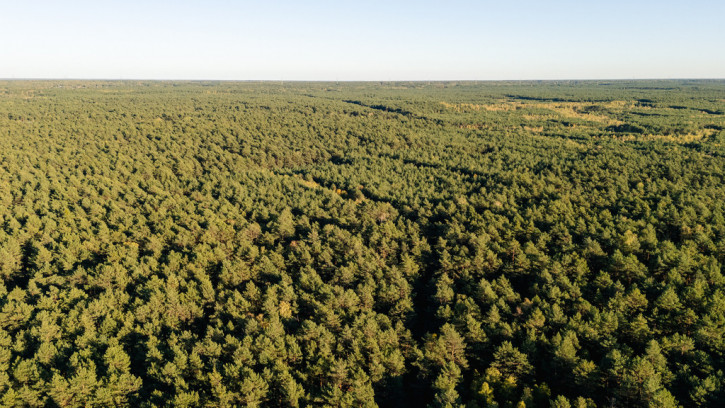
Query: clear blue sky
[[362, 40]]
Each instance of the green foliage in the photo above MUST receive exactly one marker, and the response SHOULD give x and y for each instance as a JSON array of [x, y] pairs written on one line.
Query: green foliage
[[399, 244]]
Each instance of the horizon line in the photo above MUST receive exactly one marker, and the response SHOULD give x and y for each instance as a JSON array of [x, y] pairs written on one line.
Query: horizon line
[[360, 80]]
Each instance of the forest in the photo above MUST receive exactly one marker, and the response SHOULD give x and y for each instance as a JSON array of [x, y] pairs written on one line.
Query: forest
[[424, 244]]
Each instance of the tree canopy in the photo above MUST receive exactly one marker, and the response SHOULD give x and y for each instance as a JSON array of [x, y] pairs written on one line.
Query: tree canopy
[[360, 244]]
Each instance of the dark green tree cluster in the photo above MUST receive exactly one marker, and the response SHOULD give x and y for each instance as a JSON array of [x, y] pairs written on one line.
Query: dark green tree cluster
[[405, 244]]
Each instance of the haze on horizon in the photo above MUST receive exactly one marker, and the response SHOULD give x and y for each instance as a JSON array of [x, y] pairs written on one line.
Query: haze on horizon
[[375, 40]]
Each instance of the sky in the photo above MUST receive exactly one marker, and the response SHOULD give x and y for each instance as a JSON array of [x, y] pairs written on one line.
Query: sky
[[362, 40]]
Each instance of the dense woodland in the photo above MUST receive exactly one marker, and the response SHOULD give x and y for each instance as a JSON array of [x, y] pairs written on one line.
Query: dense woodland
[[523, 244]]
